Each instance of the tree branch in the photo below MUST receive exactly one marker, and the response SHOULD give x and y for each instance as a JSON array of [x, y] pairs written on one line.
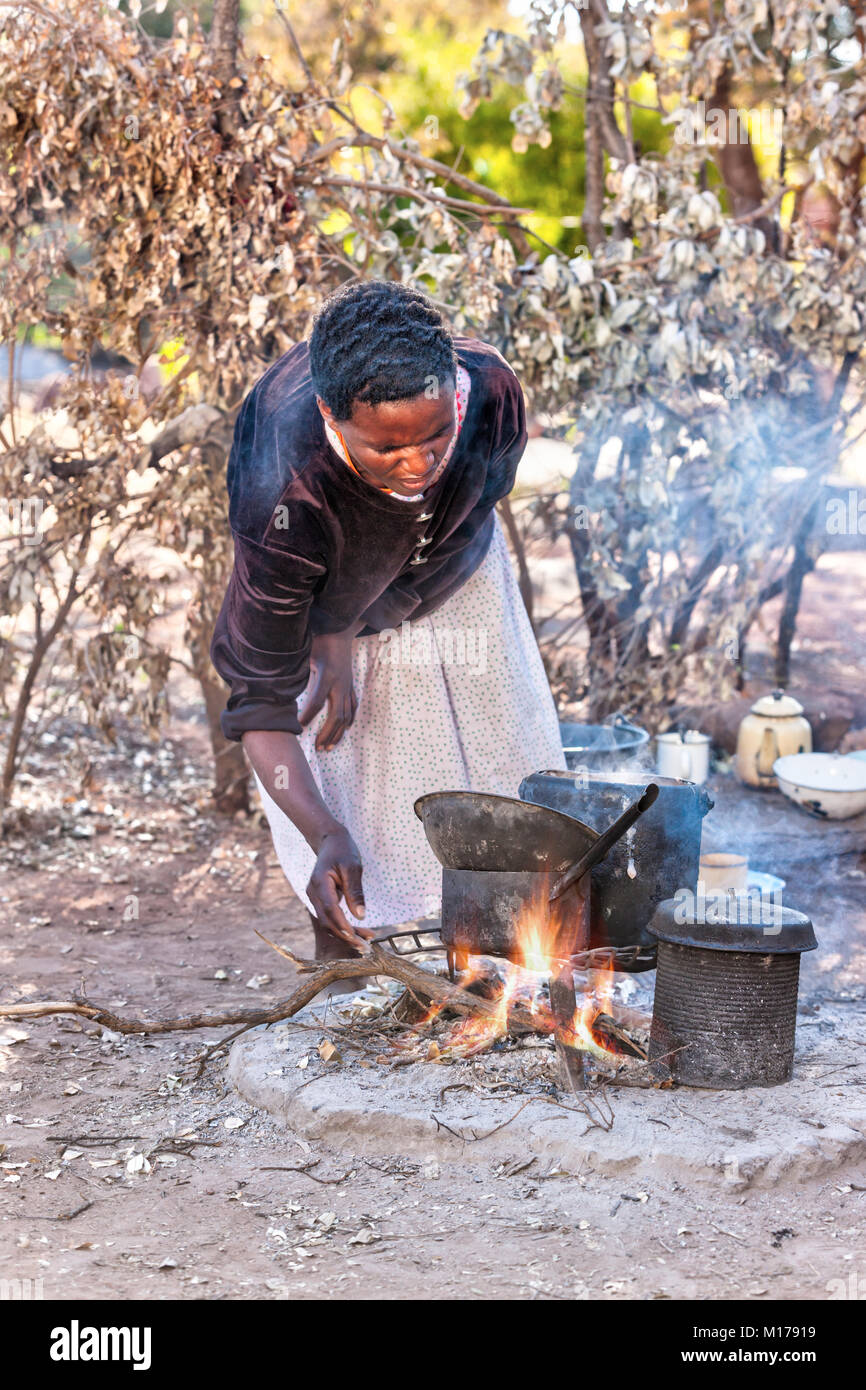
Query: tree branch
[[405, 191], [375, 962], [600, 94]]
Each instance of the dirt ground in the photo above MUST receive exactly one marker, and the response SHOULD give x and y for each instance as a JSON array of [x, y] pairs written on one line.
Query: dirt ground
[[122, 1175]]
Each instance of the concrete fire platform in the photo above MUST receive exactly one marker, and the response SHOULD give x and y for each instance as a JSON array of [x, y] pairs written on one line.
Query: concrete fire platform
[[814, 1126]]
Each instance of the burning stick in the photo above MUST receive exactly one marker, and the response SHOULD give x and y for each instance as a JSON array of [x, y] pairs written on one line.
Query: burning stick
[[563, 1008], [374, 962]]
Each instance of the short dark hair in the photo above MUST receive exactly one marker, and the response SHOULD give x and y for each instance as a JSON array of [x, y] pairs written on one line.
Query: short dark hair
[[377, 340]]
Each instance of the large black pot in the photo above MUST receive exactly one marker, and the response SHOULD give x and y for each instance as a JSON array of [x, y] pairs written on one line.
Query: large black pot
[[663, 847]]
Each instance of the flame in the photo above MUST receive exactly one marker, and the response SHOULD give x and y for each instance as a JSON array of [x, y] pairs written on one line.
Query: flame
[[522, 995], [595, 1001]]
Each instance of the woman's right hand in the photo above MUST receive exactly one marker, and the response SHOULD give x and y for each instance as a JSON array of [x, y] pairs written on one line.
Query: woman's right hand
[[331, 662], [337, 873]]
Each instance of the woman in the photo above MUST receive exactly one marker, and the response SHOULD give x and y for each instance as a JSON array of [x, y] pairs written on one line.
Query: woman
[[363, 477]]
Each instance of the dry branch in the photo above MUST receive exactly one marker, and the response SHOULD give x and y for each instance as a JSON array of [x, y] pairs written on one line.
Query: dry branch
[[375, 962], [427, 194]]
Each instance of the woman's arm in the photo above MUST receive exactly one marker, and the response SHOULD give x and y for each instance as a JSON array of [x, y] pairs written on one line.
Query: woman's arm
[[285, 774]]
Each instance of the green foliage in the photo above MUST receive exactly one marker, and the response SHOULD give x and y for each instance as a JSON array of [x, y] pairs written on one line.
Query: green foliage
[[420, 86]]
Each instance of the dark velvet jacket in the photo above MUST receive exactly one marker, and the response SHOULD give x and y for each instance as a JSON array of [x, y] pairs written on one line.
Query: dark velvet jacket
[[318, 549]]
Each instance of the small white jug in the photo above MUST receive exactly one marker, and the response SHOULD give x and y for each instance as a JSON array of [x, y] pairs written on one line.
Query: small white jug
[[686, 756]]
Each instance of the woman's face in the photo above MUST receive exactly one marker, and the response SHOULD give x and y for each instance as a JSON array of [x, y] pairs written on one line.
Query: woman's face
[[398, 444]]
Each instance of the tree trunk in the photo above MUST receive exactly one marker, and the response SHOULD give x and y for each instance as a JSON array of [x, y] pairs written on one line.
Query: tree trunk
[[600, 87], [517, 546], [736, 163], [224, 37], [41, 649], [800, 566], [697, 584], [224, 41], [231, 786], [601, 131]]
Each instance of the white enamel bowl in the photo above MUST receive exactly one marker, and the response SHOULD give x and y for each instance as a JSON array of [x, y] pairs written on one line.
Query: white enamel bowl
[[825, 784]]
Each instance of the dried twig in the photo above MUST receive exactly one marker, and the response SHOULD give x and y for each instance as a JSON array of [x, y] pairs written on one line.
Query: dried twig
[[305, 1169], [65, 1215], [429, 194]]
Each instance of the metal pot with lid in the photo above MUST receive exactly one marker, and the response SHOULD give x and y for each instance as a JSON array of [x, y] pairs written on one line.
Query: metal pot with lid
[[774, 728], [725, 1005], [657, 857]]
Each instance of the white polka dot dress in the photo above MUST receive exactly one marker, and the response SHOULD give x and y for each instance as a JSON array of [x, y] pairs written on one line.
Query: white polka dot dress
[[457, 700]]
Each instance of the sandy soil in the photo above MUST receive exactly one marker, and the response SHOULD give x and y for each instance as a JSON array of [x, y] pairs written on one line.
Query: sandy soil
[[119, 1175]]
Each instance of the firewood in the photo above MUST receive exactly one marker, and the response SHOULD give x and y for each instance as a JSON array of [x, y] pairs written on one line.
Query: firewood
[[609, 1028], [421, 983], [376, 961]]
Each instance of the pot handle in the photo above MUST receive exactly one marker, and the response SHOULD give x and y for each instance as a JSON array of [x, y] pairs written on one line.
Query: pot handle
[[705, 802], [769, 749]]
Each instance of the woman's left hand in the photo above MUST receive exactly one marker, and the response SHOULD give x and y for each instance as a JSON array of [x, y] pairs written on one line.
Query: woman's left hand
[[331, 659]]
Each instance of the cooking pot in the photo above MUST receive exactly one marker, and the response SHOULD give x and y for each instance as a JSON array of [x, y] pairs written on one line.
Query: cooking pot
[[599, 745], [504, 859], [656, 858]]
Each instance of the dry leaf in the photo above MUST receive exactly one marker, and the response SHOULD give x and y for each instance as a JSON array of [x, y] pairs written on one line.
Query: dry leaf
[[13, 1035], [365, 1236]]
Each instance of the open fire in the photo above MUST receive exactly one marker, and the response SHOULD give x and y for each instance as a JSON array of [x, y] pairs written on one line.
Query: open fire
[[519, 988]]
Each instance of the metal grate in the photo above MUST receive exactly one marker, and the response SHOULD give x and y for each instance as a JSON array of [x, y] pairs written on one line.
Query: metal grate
[[428, 940], [413, 942]]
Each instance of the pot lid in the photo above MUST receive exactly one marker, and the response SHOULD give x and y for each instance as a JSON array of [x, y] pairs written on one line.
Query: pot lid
[[733, 922], [777, 706]]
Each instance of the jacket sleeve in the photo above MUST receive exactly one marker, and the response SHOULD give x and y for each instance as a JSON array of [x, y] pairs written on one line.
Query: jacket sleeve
[[262, 639], [509, 436]]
